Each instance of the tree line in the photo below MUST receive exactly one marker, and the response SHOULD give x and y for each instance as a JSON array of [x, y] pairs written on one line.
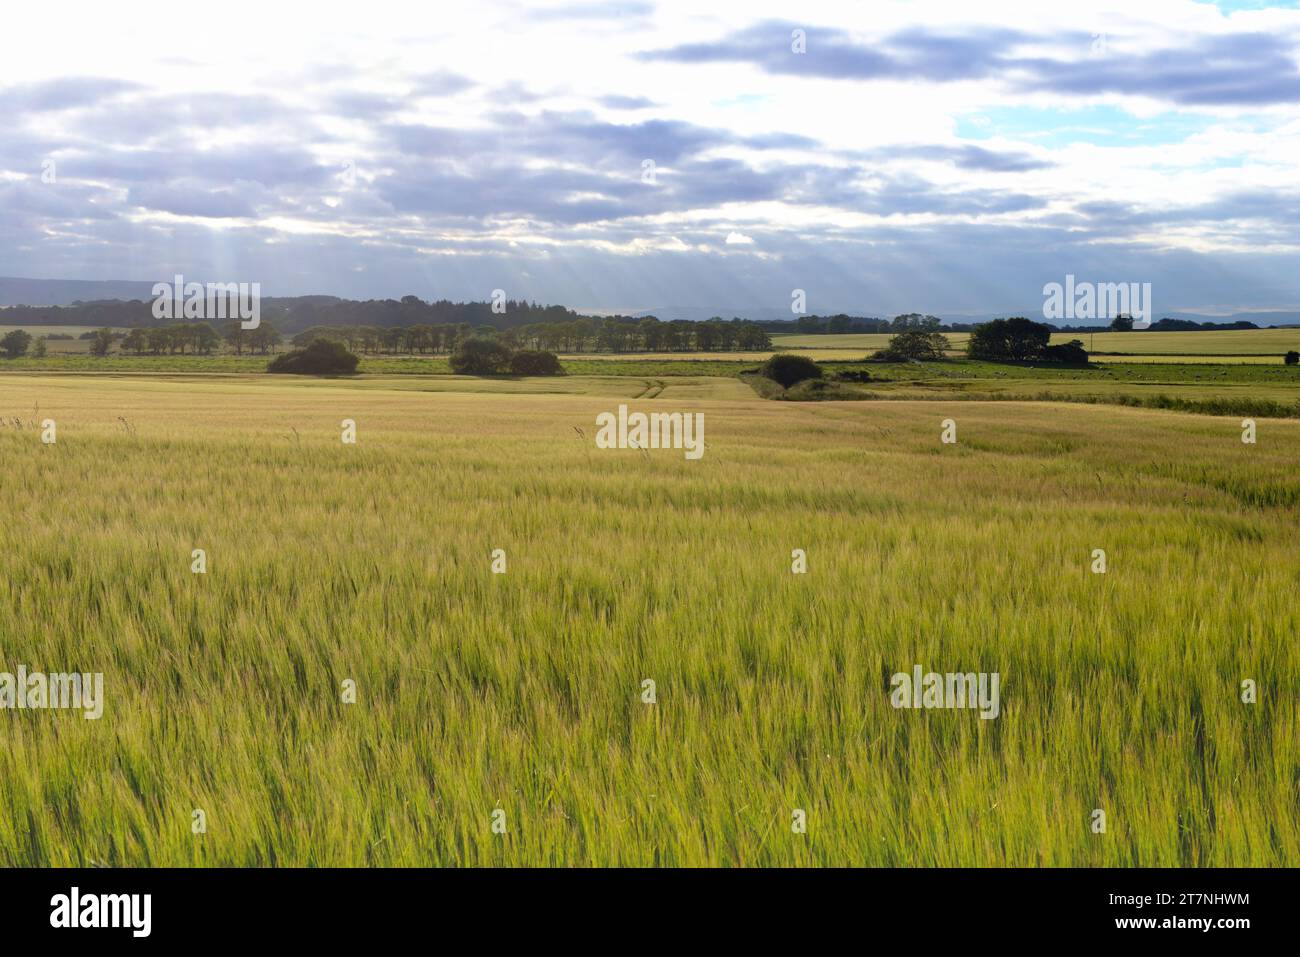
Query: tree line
[[200, 338], [582, 334], [299, 312]]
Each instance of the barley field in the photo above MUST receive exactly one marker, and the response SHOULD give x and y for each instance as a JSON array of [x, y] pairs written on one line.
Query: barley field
[[519, 696], [1202, 346]]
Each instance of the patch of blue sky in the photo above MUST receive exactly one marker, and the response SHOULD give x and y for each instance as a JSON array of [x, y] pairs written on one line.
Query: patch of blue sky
[[1232, 6], [747, 101], [1098, 125]]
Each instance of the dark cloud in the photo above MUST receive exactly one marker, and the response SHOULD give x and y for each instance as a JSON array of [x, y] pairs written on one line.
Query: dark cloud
[[593, 169], [268, 166], [964, 156], [1250, 69], [360, 104], [172, 117], [192, 200], [565, 196], [617, 102], [61, 94], [1241, 207], [1245, 69], [581, 138], [33, 201], [440, 83], [834, 54]]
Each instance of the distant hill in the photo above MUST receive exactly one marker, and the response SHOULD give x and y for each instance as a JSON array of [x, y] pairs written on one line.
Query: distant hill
[[64, 292], [300, 311], [1258, 318], [768, 314]]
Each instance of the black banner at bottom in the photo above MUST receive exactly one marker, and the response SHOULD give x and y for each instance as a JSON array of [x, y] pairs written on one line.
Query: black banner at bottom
[[335, 907]]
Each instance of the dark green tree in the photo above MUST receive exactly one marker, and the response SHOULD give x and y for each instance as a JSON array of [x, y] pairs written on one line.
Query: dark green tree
[[15, 343], [1018, 339]]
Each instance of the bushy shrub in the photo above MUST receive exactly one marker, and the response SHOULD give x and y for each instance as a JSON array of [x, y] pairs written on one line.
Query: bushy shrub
[[1292, 358], [535, 362], [480, 356], [853, 375], [787, 369], [1072, 352], [322, 357]]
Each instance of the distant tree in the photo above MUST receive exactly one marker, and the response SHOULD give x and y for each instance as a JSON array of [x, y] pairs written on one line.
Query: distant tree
[[136, 340], [1292, 358], [753, 337], [236, 337], [530, 362], [264, 338], [322, 357], [15, 343], [39, 350], [706, 335], [1122, 323], [915, 344], [480, 356], [583, 329], [913, 321], [176, 337], [102, 342], [789, 369], [206, 338], [1018, 339]]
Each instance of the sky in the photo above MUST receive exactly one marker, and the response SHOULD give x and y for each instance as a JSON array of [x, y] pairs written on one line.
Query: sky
[[884, 157]]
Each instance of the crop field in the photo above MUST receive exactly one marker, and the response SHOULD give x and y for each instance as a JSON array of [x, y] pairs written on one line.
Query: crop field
[[1163, 358], [856, 341], [1261, 345], [520, 690], [1242, 342]]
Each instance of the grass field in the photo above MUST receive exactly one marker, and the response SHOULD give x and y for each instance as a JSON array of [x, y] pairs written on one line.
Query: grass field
[[522, 691]]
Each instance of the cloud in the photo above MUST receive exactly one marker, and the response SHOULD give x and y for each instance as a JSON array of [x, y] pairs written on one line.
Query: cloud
[[617, 102], [739, 239], [913, 54], [965, 157], [440, 83], [183, 200], [61, 94], [1242, 69], [1254, 69]]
